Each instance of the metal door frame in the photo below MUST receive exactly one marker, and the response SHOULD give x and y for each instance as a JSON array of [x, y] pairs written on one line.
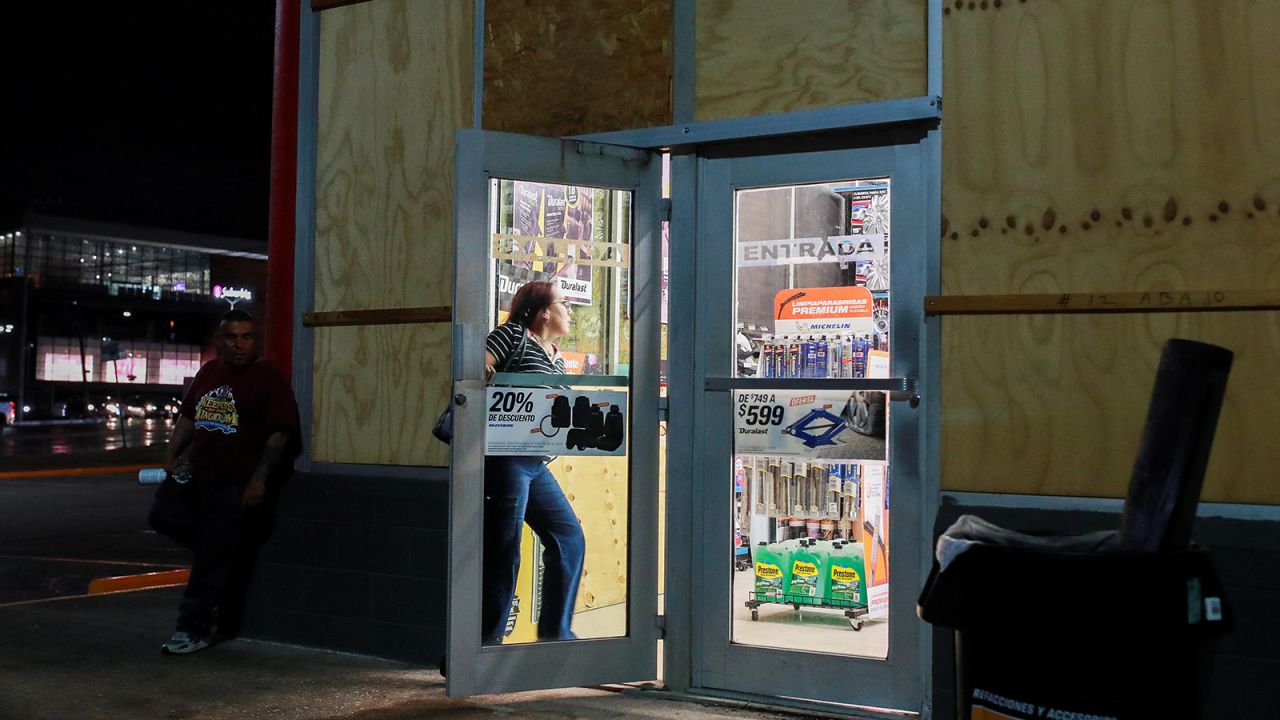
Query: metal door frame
[[482, 156], [701, 280]]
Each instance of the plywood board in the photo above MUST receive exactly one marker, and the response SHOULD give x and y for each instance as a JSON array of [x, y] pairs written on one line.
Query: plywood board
[[377, 392], [566, 67], [1055, 405], [395, 84], [1105, 146], [759, 57], [597, 488]]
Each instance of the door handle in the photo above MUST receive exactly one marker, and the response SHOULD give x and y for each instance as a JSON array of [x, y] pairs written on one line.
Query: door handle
[[466, 389], [910, 397]]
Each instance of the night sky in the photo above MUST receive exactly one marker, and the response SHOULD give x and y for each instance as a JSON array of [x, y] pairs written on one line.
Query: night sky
[[154, 113]]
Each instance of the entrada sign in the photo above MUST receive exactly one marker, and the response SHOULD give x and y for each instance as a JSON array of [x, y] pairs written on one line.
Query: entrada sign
[[800, 251]]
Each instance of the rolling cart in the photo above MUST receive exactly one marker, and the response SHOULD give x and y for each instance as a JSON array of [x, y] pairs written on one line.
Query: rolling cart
[[853, 612]]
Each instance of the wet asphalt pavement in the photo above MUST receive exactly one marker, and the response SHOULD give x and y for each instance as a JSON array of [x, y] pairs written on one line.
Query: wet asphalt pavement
[[58, 534], [24, 441]]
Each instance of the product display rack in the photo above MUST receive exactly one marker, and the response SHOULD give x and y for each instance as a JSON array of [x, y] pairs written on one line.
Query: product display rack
[[822, 320], [814, 574]]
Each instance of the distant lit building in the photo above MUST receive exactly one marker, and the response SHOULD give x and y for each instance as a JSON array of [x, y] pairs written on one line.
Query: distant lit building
[[90, 310]]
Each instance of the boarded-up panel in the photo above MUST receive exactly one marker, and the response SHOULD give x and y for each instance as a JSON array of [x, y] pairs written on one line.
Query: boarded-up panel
[[759, 57], [1055, 405], [597, 489], [1099, 146], [377, 392], [565, 67], [395, 84]]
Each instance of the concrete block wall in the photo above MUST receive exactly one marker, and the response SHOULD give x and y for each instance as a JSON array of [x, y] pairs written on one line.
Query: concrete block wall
[[356, 563]]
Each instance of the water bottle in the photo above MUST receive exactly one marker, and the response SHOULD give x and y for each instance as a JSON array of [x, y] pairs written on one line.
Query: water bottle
[[155, 476]]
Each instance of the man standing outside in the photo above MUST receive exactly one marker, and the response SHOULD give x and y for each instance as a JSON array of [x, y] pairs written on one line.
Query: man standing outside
[[233, 444]]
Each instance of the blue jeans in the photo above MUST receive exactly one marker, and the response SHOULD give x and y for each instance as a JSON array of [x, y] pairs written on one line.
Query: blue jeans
[[521, 490]]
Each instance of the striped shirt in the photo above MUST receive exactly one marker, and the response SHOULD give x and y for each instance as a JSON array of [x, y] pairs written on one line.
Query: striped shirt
[[505, 339]]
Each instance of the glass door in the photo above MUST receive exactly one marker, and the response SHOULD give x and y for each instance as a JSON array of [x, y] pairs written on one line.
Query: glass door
[[809, 286], [554, 493]]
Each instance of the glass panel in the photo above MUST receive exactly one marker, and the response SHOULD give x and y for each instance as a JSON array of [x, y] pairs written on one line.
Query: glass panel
[[120, 268], [557, 473], [663, 365], [811, 472]]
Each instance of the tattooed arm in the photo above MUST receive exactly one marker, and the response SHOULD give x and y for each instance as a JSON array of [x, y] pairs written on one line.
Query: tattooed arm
[[178, 442], [272, 455]]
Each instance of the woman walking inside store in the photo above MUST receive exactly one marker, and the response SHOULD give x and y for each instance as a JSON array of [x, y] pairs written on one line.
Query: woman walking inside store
[[520, 489]]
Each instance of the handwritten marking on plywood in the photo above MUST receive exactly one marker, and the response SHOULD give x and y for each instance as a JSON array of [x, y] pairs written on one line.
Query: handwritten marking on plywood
[[1110, 302], [759, 57], [1100, 147], [1110, 146], [377, 391], [395, 84]]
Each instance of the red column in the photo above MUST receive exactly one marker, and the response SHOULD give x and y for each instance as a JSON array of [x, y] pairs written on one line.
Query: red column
[[284, 175]]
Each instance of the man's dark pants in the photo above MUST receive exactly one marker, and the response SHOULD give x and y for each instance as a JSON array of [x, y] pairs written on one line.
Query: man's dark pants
[[223, 536]]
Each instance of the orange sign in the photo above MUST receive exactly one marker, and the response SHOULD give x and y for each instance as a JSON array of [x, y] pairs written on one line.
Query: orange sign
[[574, 363], [829, 310]]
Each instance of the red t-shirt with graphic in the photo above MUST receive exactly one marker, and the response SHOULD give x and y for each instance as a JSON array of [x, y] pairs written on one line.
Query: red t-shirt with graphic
[[235, 410]]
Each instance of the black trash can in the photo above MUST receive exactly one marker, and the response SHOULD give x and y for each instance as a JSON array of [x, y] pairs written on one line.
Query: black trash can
[[1046, 630]]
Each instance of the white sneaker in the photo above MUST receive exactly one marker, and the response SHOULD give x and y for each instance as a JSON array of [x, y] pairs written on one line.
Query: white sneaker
[[184, 643]]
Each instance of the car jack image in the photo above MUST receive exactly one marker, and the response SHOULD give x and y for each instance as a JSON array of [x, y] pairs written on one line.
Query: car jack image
[[819, 427]]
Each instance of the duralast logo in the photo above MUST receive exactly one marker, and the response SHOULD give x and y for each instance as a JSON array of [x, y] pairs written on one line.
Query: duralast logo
[[573, 285], [804, 569], [766, 570], [843, 574], [508, 286]]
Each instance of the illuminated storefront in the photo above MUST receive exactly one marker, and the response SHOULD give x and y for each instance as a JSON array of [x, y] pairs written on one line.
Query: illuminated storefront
[[100, 310]]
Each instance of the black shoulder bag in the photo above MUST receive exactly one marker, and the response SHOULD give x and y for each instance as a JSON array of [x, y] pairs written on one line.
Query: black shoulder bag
[[444, 424]]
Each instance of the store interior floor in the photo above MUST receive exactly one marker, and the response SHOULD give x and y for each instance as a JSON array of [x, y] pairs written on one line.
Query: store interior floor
[[810, 629], [603, 622], [779, 626]]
